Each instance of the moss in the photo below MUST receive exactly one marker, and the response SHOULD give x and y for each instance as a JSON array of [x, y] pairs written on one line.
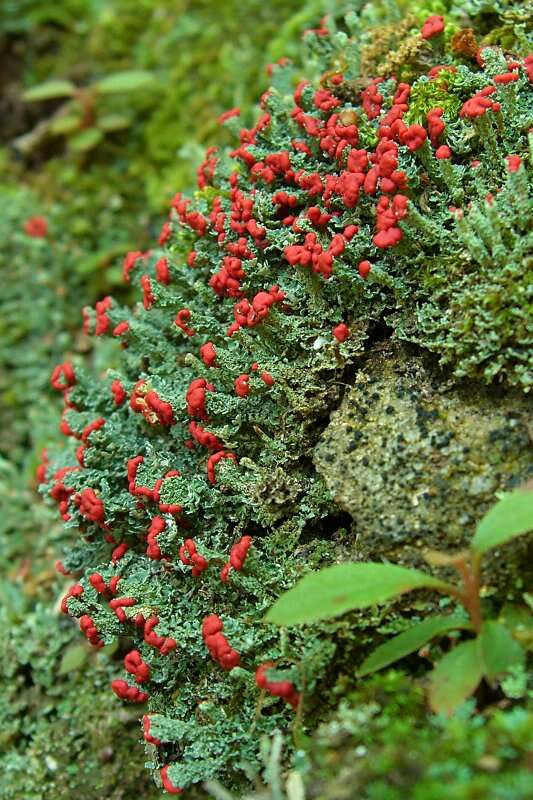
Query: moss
[[381, 744]]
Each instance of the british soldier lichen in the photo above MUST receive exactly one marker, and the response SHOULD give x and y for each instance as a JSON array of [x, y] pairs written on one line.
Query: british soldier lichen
[[341, 209]]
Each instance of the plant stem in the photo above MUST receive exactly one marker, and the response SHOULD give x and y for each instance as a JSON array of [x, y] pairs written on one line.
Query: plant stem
[[469, 596]]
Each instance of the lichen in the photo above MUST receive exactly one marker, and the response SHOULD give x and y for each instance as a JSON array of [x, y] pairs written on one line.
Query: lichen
[[326, 230], [416, 458]]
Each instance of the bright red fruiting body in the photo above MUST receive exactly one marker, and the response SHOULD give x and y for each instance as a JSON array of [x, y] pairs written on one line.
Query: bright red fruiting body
[[147, 402], [283, 689], [189, 556], [88, 628], [40, 472], [74, 591], [506, 77], [63, 376], [163, 643], [168, 786], [166, 232], [232, 112], [479, 104], [119, 552], [102, 319], [118, 604], [182, 318], [129, 693], [148, 297], [37, 227], [432, 26], [162, 273], [213, 460], [134, 664], [237, 557], [118, 391], [513, 163], [157, 526], [217, 644], [92, 426], [146, 732], [195, 397], [341, 332], [443, 152], [414, 137], [204, 438], [98, 583], [208, 354], [122, 327], [61, 493], [267, 378], [242, 387], [90, 506], [436, 124], [129, 262], [364, 269]]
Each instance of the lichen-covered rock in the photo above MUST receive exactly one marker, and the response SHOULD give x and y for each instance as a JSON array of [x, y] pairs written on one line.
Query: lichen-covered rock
[[417, 458]]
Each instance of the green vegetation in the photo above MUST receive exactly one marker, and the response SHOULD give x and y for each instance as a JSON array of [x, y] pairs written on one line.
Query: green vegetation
[[371, 401], [492, 654]]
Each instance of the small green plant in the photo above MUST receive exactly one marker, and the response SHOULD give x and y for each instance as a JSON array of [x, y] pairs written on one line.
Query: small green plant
[[87, 115], [490, 654]]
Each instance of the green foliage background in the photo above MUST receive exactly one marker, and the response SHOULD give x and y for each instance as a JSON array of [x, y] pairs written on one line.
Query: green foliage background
[[57, 736]]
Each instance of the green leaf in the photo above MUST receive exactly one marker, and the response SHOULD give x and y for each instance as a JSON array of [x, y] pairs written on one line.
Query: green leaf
[[519, 622], [85, 140], [73, 657], [128, 81], [510, 517], [114, 122], [49, 90], [109, 649], [456, 677], [334, 590], [409, 641], [67, 124], [499, 651]]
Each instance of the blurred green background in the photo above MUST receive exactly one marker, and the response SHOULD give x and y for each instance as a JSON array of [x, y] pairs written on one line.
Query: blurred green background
[[106, 107]]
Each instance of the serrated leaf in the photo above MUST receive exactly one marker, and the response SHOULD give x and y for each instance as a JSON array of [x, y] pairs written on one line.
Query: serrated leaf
[[64, 125], [73, 657], [114, 122], [409, 641], [85, 140], [456, 677], [512, 516], [49, 90], [343, 587], [127, 81], [499, 651]]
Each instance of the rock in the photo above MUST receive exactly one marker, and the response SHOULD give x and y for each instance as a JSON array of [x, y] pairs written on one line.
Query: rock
[[417, 459]]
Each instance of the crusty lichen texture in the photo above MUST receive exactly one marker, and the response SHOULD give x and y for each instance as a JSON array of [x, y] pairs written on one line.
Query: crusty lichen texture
[[344, 218], [416, 458]]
